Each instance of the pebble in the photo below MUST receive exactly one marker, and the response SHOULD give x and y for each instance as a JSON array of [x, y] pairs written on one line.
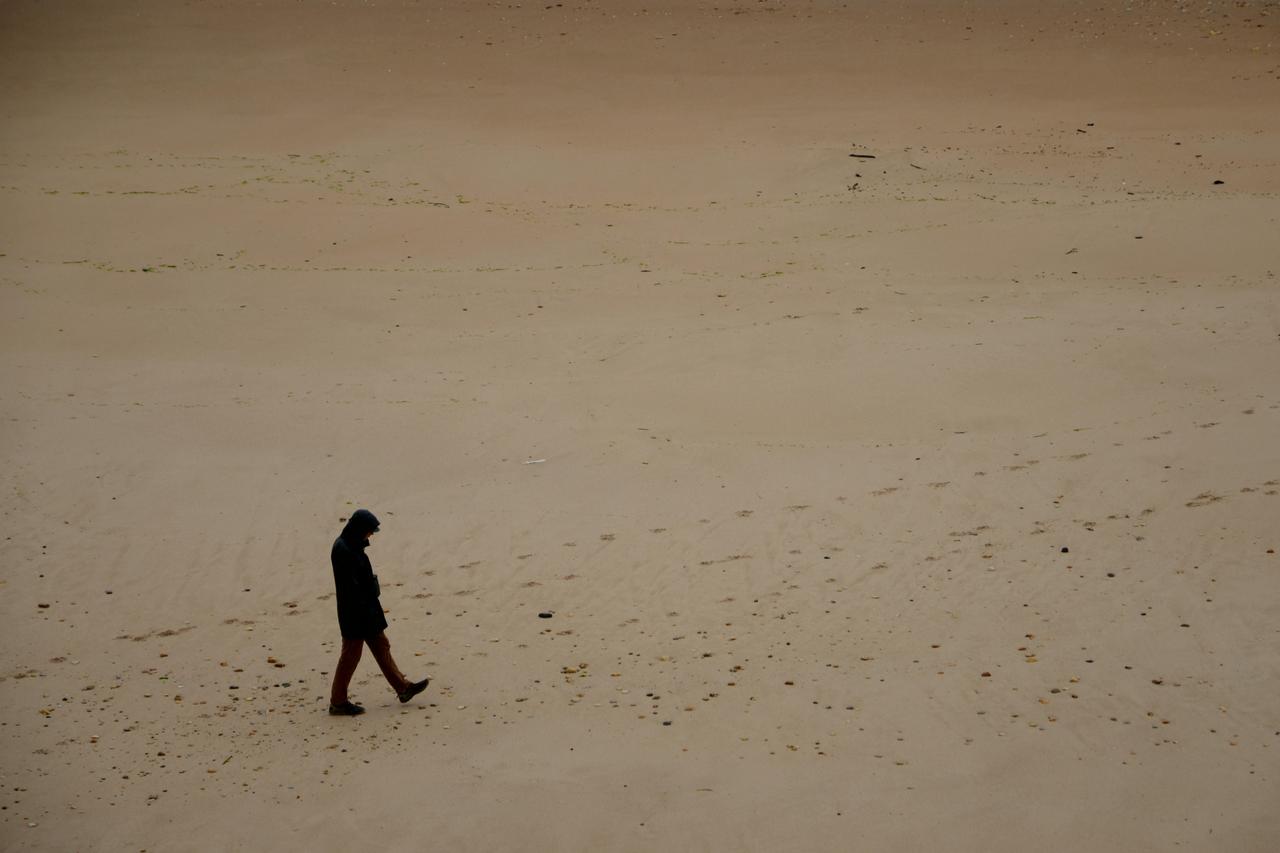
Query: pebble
[[546, 614]]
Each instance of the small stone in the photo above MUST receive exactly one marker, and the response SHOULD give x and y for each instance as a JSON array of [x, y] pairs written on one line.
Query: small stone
[[986, 675], [1066, 550], [546, 614]]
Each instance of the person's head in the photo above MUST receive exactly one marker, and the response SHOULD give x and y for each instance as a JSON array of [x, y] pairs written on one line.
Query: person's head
[[361, 525]]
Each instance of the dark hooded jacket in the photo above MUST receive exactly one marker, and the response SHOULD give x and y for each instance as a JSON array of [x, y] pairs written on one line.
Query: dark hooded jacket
[[359, 611]]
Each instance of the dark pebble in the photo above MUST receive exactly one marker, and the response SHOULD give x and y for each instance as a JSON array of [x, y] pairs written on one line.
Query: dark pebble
[[1066, 550], [546, 614]]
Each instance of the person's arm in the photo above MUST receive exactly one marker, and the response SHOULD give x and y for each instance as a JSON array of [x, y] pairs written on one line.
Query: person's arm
[[346, 575]]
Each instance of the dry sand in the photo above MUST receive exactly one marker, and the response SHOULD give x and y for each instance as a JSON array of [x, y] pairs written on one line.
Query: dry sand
[[924, 502]]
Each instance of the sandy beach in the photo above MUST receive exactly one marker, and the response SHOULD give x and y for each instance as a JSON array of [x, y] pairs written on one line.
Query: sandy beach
[[883, 398]]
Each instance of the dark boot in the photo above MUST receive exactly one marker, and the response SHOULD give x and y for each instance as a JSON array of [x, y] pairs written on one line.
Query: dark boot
[[413, 689]]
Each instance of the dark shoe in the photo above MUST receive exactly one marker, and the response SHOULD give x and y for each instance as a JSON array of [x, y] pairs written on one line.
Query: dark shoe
[[413, 690], [346, 709]]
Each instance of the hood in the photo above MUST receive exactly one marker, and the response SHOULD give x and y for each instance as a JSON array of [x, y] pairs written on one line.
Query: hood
[[361, 522]]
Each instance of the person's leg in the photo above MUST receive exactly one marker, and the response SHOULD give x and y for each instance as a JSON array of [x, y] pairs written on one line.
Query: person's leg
[[351, 650], [381, 648]]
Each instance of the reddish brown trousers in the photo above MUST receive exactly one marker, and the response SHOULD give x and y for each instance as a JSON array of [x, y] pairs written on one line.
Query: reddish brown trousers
[[351, 650]]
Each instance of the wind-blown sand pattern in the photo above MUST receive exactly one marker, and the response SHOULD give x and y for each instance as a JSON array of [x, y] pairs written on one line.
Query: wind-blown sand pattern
[[924, 500]]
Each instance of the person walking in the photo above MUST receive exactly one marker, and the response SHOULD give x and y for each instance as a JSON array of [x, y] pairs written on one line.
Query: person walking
[[360, 616]]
